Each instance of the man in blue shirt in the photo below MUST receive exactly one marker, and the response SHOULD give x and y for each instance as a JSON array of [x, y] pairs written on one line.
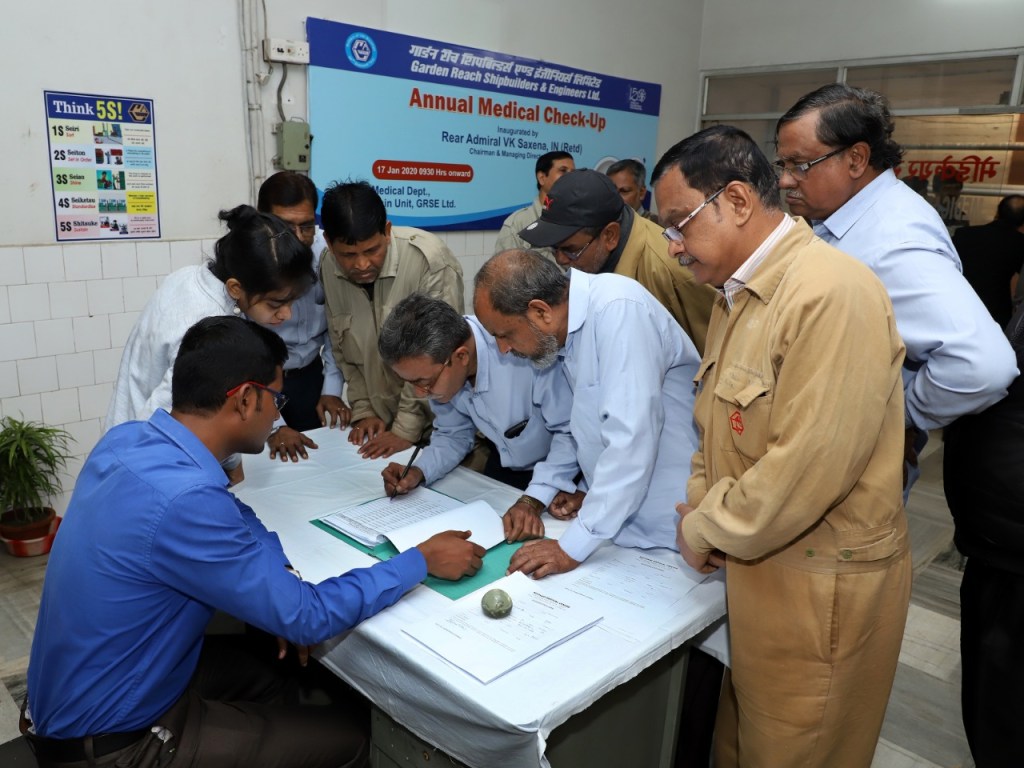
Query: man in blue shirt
[[152, 544], [835, 168], [472, 386], [630, 368], [312, 379]]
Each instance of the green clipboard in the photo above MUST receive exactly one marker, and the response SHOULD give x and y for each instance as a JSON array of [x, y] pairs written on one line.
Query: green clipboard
[[496, 562]]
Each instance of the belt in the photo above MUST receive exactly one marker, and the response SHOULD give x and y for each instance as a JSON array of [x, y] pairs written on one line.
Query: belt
[[71, 750]]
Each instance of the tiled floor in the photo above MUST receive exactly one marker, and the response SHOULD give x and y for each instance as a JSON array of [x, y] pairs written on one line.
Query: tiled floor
[[922, 726]]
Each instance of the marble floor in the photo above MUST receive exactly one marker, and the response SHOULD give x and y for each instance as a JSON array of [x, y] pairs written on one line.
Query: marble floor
[[922, 726]]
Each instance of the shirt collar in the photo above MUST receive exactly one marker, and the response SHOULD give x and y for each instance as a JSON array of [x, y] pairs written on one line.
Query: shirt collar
[[186, 439], [840, 222]]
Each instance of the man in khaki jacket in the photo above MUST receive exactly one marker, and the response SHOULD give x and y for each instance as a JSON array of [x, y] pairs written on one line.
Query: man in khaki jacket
[[594, 231], [796, 486], [375, 266]]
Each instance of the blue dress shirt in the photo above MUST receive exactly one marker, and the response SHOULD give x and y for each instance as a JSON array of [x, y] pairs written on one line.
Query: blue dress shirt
[[958, 360], [305, 332], [507, 391], [153, 543], [631, 370]]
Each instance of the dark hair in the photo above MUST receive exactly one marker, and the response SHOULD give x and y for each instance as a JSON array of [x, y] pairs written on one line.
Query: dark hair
[[545, 161], [711, 158], [422, 325], [285, 189], [847, 115], [217, 354], [635, 167], [352, 212], [514, 278], [262, 253], [1011, 210]]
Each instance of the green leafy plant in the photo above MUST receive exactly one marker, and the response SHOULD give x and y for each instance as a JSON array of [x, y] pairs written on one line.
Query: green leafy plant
[[31, 457]]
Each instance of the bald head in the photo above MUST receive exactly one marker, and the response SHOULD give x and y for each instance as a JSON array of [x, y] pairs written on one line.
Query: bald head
[[512, 279]]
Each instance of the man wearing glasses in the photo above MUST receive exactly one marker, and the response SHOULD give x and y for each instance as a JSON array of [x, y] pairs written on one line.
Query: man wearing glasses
[[523, 413], [593, 230], [154, 543], [312, 380], [835, 167], [630, 368], [796, 483]]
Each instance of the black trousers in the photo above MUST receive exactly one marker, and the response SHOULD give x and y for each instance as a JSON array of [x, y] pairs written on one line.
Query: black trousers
[[303, 387], [517, 478], [991, 643], [241, 711]]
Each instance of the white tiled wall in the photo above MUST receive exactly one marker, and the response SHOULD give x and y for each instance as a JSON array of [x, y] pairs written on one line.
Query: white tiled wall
[[66, 311]]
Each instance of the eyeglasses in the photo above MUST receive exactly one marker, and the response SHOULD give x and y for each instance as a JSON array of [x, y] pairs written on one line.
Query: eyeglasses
[[428, 386], [675, 234], [799, 171], [304, 229], [280, 398], [574, 255]]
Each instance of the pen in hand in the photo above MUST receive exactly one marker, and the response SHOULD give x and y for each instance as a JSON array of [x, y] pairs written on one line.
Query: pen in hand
[[405, 472]]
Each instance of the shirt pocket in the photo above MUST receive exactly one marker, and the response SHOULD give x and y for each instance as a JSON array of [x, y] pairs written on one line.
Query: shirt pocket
[[743, 400]]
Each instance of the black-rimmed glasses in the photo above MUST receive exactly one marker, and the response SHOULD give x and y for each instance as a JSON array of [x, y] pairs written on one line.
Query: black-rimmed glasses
[[675, 234], [799, 171]]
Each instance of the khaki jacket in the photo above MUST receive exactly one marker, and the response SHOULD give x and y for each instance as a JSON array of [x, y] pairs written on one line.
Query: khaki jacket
[[645, 259], [508, 236], [417, 261], [800, 410]]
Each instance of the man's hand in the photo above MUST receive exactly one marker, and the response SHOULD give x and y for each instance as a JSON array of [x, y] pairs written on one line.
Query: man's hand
[[385, 444], [707, 563], [541, 558], [565, 506], [301, 650], [288, 443], [366, 429], [450, 555], [333, 408], [393, 471], [521, 522]]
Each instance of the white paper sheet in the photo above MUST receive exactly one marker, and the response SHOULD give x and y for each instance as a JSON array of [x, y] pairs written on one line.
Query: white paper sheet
[[543, 616], [410, 519]]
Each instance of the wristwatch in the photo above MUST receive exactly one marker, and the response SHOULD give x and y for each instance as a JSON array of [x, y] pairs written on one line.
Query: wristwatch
[[534, 504]]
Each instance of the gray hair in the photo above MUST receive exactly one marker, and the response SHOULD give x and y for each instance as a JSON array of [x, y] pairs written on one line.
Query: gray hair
[[514, 278], [422, 326], [635, 167]]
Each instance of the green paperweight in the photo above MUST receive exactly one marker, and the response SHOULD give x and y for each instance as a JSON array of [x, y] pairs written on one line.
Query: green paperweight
[[497, 603]]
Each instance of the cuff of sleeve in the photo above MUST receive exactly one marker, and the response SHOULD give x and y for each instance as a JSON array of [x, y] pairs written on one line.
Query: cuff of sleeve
[[362, 410], [577, 542], [412, 567], [397, 431], [542, 493]]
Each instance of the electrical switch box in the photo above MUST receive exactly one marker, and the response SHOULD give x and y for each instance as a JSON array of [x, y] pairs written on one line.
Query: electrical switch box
[[293, 145]]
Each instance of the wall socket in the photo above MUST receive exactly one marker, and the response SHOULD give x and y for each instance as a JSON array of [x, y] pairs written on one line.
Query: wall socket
[[287, 51]]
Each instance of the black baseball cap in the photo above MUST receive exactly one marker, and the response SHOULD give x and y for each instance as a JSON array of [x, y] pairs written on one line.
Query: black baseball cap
[[578, 199]]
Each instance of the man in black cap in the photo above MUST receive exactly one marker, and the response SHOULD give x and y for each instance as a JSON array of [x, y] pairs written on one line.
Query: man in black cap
[[593, 230]]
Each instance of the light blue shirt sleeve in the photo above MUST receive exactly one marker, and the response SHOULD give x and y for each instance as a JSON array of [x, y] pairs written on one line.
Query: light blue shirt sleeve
[[958, 359], [557, 472], [617, 416], [451, 439]]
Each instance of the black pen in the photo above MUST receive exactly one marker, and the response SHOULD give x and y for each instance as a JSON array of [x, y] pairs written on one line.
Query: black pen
[[405, 472]]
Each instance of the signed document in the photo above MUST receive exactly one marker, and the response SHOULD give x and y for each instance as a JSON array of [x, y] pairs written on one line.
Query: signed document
[[407, 520], [543, 616]]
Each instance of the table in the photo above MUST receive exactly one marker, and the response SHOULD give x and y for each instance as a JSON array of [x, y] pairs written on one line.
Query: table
[[599, 691]]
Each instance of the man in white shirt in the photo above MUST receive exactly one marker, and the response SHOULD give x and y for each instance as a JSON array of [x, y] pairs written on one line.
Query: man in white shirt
[[523, 414], [630, 368]]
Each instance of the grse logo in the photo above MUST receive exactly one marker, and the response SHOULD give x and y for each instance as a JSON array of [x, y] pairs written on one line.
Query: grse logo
[[637, 97], [361, 50]]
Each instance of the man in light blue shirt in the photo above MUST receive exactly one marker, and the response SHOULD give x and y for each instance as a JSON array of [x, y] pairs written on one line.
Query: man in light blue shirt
[[472, 386], [630, 368], [152, 544], [312, 380], [835, 167]]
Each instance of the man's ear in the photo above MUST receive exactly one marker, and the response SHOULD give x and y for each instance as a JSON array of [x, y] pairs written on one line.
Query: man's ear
[[859, 159], [539, 313], [243, 402], [610, 236], [739, 202]]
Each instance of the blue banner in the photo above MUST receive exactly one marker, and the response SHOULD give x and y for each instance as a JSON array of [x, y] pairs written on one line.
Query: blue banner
[[449, 135]]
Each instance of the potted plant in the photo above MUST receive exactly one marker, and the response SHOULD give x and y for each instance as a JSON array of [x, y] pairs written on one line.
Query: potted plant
[[31, 457]]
